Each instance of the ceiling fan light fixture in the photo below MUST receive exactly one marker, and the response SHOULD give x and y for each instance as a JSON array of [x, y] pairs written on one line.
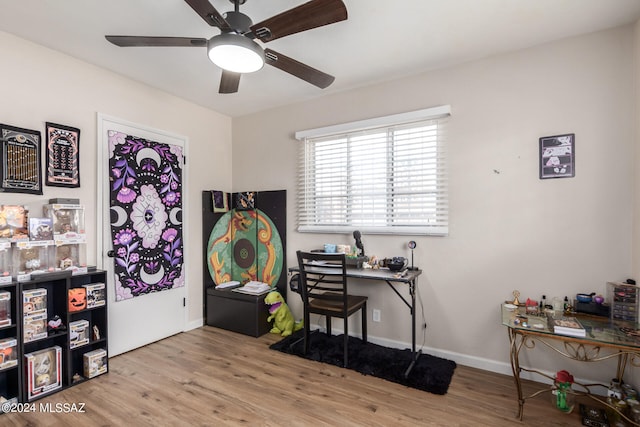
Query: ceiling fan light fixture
[[236, 53]]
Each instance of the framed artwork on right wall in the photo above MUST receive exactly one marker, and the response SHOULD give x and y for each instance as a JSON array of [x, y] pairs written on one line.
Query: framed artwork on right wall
[[557, 156]]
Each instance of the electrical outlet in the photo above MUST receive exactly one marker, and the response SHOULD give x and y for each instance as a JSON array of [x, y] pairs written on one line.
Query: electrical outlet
[[376, 315]]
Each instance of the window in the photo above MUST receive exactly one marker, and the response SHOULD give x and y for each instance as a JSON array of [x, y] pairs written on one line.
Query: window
[[384, 175]]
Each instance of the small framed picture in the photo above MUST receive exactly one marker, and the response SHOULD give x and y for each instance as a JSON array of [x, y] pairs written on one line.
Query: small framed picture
[[246, 201], [20, 170], [220, 201], [63, 156], [557, 156]]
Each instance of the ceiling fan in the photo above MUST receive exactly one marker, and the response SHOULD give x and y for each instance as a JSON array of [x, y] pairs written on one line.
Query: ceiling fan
[[235, 49]]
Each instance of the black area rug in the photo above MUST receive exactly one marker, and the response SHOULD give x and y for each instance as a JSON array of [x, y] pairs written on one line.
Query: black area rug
[[430, 373]]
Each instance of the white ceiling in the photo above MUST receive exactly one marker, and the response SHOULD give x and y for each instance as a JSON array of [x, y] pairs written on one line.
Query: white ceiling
[[381, 40]]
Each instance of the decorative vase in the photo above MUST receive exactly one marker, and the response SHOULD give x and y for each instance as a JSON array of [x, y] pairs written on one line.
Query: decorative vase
[[562, 397]]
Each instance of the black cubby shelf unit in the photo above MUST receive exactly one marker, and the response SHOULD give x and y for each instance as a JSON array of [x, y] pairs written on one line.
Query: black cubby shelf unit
[[57, 285], [96, 317], [10, 377]]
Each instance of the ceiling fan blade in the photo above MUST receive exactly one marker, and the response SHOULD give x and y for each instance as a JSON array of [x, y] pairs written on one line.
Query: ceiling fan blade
[[131, 41], [313, 14], [298, 69], [229, 82], [209, 13]]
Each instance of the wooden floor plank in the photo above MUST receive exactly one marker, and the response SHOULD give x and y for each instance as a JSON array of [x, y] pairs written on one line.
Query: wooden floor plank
[[212, 377]]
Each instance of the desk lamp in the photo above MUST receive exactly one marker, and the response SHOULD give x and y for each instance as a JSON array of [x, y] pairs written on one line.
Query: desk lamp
[[412, 245]]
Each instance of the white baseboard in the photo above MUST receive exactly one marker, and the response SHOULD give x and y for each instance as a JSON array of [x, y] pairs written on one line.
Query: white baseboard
[[469, 360], [194, 324]]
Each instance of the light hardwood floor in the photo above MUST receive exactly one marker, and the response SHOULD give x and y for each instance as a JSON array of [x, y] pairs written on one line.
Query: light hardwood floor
[[212, 377]]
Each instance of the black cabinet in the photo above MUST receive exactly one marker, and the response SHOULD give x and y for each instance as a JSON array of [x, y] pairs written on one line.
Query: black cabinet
[[233, 311]]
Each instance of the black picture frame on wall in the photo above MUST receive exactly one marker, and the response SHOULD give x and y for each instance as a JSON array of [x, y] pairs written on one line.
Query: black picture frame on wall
[[20, 162], [557, 156], [63, 156]]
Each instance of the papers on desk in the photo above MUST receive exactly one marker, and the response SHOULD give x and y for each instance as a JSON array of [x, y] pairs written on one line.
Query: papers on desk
[[253, 288]]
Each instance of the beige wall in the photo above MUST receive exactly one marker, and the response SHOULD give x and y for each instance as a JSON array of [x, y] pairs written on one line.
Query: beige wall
[[39, 85], [509, 229]]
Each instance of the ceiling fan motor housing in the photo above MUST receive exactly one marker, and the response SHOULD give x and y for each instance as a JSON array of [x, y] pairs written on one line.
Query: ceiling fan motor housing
[[238, 21]]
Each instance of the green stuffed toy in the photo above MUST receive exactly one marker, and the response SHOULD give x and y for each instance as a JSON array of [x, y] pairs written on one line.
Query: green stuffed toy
[[284, 323]]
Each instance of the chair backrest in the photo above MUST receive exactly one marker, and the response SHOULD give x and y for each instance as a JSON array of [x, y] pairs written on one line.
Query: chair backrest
[[322, 276]]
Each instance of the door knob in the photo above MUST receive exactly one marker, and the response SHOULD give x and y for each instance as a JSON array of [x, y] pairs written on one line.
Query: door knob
[[111, 254]]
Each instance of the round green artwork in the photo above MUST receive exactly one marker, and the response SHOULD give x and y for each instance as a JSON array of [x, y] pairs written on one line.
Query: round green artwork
[[245, 245]]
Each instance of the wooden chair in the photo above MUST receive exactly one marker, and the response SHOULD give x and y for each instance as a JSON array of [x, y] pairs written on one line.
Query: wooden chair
[[323, 286]]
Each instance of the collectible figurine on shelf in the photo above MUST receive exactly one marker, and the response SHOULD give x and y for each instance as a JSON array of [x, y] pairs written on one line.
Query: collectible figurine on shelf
[[43, 380], [65, 260], [8, 357], [63, 221], [40, 229], [43, 370], [56, 325], [32, 264], [96, 333], [30, 258], [13, 222]]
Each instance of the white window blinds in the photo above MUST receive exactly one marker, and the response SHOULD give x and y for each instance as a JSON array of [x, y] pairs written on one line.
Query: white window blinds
[[385, 175]]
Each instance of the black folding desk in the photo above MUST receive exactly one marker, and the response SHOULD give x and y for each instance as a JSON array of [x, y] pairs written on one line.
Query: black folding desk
[[408, 277]]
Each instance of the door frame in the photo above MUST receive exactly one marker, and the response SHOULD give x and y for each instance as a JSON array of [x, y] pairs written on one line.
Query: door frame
[[103, 206]]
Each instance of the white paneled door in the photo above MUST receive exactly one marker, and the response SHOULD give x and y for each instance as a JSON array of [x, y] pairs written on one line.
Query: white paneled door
[[140, 197]]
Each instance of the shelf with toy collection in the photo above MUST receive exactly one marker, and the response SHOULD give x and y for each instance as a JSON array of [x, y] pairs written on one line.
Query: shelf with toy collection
[[35, 244], [87, 324], [56, 305], [58, 348]]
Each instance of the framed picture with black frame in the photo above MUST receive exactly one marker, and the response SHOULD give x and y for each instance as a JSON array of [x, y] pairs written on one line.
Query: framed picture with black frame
[[20, 165], [557, 156], [63, 156]]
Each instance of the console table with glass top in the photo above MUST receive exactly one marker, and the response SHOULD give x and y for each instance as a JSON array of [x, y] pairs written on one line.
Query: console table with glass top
[[604, 340]]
